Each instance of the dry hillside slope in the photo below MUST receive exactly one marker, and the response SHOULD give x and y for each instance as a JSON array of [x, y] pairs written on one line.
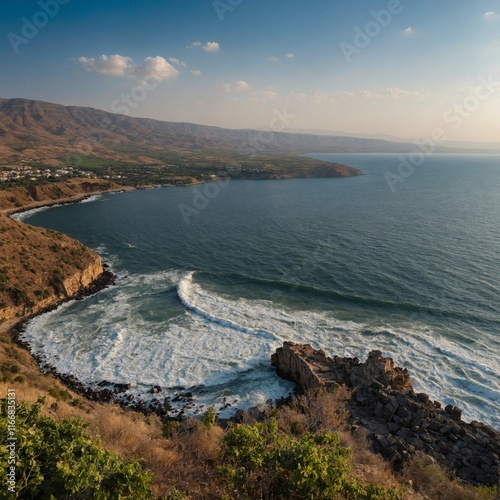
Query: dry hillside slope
[[39, 267], [44, 131]]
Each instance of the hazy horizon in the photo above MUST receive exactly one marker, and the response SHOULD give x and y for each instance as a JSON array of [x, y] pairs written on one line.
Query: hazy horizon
[[397, 68]]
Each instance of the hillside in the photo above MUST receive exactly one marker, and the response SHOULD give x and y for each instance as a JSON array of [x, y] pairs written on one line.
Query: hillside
[[36, 131], [17, 198], [39, 267]]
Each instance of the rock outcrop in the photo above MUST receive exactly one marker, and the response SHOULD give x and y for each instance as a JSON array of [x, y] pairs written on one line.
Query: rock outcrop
[[40, 267], [398, 422]]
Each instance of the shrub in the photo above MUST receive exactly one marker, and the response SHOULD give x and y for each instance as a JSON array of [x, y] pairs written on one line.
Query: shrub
[[261, 463], [58, 459], [433, 481], [168, 428], [59, 394], [209, 417]]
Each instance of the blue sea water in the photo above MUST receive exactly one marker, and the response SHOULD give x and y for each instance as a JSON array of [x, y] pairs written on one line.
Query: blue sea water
[[214, 277]]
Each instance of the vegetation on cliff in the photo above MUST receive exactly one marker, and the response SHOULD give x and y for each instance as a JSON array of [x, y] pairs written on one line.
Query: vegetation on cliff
[[44, 193], [37, 265], [306, 449]]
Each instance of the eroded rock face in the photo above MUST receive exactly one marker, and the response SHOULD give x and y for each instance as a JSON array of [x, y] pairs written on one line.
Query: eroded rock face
[[84, 278], [379, 370], [71, 287], [398, 422]]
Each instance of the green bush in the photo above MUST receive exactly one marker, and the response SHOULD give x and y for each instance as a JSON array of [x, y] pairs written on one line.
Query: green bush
[[261, 463], [168, 428], [59, 394], [58, 459], [209, 417]]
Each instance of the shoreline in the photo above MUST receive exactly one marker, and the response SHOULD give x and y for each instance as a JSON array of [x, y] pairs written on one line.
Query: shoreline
[[62, 201], [7, 326]]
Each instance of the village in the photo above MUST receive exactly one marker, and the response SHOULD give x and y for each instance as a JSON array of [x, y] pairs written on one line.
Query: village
[[16, 173]]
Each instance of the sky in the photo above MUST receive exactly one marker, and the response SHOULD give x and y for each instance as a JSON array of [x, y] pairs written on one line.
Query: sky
[[408, 68]]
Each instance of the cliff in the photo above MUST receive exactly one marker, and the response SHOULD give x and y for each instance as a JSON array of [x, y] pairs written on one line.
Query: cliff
[[399, 422], [40, 267], [22, 198]]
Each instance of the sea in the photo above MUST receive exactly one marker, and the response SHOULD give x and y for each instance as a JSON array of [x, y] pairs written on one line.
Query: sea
[[213, 277]]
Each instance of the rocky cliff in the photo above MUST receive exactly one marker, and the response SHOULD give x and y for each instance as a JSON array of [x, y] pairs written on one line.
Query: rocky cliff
[[398, 421], [22, 198]]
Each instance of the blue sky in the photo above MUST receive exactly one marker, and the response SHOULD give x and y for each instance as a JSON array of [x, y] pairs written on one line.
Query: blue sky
[[400, 67]]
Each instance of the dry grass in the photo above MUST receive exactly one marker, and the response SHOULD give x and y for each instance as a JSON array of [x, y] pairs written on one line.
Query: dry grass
[[189, 459], [434, 482], [197, 449], [321, 410], [316, 411]]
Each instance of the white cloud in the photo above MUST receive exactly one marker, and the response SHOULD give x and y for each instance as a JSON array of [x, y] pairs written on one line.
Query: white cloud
[[211, 47], [174, 60], [272, 59], [114, 65], [264, 95], [195, 72], [238, 86], [391, 93], [208, 47], [409, 32], [290, 56], [490, 15], [157, 67], [398, 93]]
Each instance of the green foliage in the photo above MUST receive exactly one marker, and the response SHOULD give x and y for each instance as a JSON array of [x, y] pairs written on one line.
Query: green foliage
[[168, 428], [261, 463], [209, 418], [58, 459], [77, 402], [175, 494], [59, 394], [20, 297]]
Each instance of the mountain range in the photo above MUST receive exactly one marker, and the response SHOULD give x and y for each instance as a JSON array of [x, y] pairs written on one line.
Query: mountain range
[[50, 133]]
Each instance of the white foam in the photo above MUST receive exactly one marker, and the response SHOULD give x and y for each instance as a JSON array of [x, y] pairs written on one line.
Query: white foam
[[192, 296], [92, 198], [20, 216], [128, 334], [29, 213]]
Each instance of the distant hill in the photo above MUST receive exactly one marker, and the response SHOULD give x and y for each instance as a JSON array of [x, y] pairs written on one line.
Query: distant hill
[[44, 131], [464, 147]]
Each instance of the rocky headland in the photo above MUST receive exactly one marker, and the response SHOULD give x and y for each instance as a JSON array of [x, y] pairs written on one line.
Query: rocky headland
[[39, 267], [398, 422]]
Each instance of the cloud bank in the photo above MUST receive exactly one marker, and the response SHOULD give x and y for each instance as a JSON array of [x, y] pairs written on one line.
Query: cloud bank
[[238, 86], [157, 67]]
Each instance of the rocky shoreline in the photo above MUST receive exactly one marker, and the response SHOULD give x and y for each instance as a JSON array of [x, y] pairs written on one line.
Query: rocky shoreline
[[398, 422], [104, 280]]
